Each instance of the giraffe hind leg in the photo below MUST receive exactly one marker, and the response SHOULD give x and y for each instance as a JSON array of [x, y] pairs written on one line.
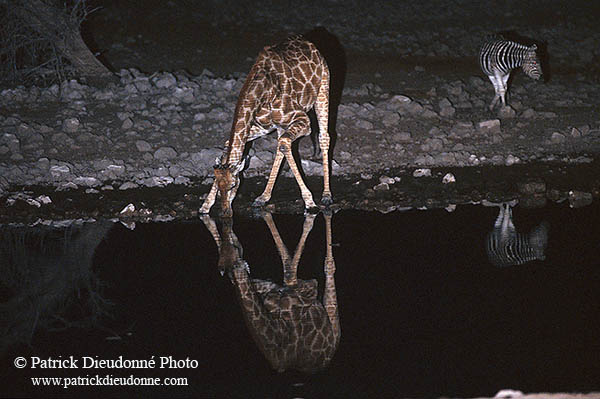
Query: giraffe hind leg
[[322, 111], [298, 128]]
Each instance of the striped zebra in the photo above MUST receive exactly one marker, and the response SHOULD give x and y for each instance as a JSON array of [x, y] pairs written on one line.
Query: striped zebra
[[498, 57], [507, 247]]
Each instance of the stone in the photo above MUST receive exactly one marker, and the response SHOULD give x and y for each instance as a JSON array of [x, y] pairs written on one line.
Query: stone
[[529, 113], [402, 137], [558, 138], [71, 125], [448, 178], [511, 160], [492, 125], [143, 146], [363, 124], [447, 112], [128, 210], [507, 112], [381, 187], [165, 80], [579, 199], [390, 119], [128, 185], [127, 124], [387, 180], [422, 173], [86, 181], [531, 187]]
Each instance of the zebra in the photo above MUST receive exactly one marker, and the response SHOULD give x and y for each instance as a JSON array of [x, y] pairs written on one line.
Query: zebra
[[507, 247], [498, 57]]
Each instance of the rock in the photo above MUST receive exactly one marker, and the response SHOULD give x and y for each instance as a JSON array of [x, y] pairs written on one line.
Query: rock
[[158, 181], [143, 146], [86, 181], [128, 210], [390, 119], [432, 144], [492, 125], [127, 124], [363, 124], [402, 137], [116, 169], [447, 111], [422, 173], [448, 178], [381, 187], [507, 112], [387, 180], [43, 199], [575, 133], [558, 138], [529, 113], [579, 199], [531, 187], [414, 108], [128, 185], [511, 160], [164, 80], [428, 113], [71, 125], [58, 170]]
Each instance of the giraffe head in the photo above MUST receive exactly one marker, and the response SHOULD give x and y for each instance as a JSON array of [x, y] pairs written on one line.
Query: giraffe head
[[228, 180], [531, 63]]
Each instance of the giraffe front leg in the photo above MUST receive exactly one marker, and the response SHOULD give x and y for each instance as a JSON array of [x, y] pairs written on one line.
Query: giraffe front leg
[[210, 199], [262, 199]]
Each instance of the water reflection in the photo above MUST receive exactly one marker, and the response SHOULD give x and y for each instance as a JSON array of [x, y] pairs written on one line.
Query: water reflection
[[507, 247], [290, 325], [43, 270]]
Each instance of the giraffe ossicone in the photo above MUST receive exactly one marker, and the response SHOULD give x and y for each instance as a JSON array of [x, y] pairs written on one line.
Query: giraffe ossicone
[[286, 81]]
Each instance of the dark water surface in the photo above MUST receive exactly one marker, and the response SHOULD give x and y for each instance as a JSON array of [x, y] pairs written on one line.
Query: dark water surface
[[423, 312]]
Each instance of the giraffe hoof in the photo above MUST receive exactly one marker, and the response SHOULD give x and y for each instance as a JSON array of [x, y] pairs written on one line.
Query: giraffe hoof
[[312, 210], [258, 203], [326, 200]]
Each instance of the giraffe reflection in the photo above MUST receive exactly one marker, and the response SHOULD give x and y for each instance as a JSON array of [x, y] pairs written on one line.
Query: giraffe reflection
[[507, 247], [292, 328]]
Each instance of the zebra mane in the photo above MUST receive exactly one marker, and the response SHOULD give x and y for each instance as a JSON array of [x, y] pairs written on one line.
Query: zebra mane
[[493, 37]]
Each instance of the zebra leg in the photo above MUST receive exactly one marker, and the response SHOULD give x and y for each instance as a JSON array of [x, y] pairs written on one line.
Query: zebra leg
[[504, 89], [497, 89]]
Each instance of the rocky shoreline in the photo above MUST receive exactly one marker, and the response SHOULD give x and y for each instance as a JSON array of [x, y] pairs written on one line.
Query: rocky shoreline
[[162, 129]]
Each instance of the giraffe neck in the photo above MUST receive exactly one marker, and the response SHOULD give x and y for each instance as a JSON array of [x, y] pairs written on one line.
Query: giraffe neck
[[248, 102]]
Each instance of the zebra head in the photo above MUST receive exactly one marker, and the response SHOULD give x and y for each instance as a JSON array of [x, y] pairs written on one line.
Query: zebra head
[[531, 63]]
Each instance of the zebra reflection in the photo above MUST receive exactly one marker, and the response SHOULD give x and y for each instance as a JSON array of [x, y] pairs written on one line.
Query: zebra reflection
[[507, 247], [290, 325]]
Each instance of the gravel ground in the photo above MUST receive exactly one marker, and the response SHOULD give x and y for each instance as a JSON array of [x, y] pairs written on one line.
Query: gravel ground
[[410, 94]]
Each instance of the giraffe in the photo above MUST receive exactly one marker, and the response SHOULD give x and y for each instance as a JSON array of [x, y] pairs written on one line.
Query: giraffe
[[285, 82], [292, 328]]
